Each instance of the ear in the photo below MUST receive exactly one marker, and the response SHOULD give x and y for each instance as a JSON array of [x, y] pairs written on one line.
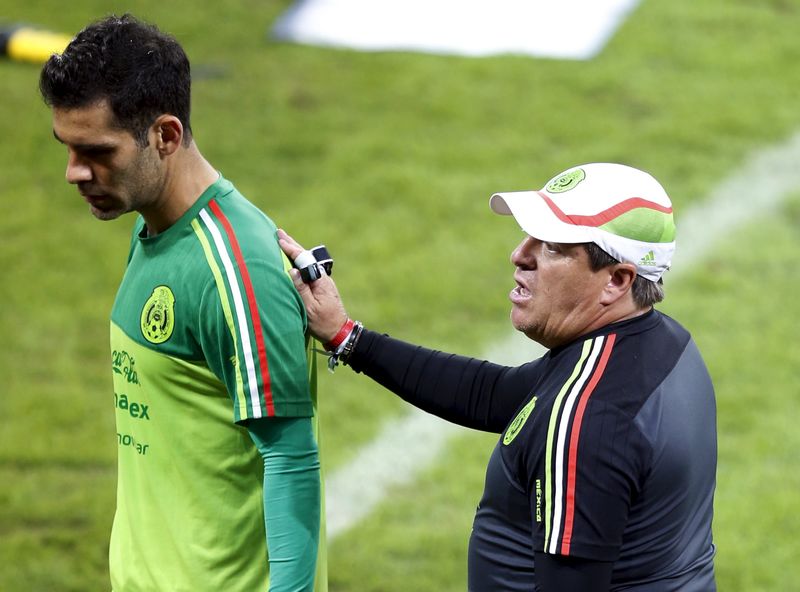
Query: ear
[[620, 281], [168, 131]]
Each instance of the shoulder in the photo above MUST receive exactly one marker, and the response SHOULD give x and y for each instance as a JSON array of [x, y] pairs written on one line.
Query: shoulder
[[246, 231], [631, 360], [234, 208]]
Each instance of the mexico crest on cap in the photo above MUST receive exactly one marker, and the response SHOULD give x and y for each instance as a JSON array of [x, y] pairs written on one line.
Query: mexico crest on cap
[[566, 181]]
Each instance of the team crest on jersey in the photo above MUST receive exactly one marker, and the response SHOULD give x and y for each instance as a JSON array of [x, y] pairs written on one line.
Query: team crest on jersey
[[158, 315], [518, 422]]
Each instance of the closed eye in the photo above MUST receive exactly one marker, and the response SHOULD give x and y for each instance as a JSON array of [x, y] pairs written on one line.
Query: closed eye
[[94, 151]]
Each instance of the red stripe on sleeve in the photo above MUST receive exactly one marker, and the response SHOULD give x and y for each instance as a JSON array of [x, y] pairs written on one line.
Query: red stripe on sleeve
[[569, 511], [252, 304]]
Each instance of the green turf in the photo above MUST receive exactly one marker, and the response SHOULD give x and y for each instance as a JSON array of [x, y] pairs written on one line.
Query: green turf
[[754, 359], [392, 156]]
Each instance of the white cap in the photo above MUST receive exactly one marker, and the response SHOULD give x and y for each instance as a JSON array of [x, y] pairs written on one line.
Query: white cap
[[623, 210]]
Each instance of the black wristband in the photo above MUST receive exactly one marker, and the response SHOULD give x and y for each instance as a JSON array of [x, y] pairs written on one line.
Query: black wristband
[[345, 349]]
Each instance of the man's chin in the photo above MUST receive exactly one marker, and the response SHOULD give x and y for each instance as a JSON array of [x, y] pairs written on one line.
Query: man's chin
[[518, 320], [532, 332], [106, 214]]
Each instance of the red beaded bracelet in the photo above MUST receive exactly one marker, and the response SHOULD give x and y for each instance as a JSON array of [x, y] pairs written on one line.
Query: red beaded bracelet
[[339, 338]]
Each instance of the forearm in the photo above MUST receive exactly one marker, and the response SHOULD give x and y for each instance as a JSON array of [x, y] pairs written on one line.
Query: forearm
[[291, 500], [466, 391]]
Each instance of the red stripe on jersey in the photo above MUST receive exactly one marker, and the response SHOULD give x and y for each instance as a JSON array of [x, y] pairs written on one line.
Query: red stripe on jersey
[[569, 511], [251, 302]]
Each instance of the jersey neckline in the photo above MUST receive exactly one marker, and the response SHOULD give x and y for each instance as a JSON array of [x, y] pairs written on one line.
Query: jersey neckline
[[218, 188]]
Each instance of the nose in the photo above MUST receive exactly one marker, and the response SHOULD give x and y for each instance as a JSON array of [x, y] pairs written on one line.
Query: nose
[[523, 256], [77, 170]]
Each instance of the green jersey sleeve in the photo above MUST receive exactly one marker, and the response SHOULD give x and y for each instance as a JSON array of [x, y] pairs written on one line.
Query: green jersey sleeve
[[252, 321]]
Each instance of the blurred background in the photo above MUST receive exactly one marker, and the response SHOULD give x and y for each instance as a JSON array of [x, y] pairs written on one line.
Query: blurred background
[[389, 158]]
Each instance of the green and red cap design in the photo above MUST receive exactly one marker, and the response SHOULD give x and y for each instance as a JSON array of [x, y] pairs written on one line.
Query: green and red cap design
[[623, 210]]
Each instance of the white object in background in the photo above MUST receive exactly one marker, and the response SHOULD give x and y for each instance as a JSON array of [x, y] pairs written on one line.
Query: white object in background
[[570, 29]]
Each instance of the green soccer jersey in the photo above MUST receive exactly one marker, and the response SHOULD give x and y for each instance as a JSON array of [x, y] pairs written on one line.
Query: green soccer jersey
[[207, 332]]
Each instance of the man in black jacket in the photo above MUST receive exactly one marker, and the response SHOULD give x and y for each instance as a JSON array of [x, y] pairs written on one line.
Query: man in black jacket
[[603, 477]]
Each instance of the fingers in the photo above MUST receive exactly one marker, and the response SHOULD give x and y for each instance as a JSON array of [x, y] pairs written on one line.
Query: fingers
[[312, 263], [297, 280], [303, 289], [290, 246], [324, 308]]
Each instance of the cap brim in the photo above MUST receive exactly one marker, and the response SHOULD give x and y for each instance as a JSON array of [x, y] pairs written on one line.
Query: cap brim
[[537, 219]]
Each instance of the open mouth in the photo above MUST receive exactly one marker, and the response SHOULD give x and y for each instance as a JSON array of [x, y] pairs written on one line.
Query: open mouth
[[519, 293]]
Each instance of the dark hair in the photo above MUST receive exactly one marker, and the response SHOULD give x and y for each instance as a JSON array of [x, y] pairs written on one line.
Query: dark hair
[[646, 293], [140, 71]]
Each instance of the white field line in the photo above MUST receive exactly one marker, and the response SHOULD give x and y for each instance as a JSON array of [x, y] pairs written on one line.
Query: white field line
[[408, 445]]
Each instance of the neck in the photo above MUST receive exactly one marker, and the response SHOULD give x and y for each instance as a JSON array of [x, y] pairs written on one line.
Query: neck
[[614, 314], [187, 175], [619, 311]]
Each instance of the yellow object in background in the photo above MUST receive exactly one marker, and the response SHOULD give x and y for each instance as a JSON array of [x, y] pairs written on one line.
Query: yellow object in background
[[27, 44]]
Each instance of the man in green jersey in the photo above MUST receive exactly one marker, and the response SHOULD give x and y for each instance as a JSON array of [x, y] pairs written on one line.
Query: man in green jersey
[[219, 480]]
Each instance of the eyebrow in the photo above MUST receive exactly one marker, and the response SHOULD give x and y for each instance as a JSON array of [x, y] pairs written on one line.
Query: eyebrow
[[83, 147]]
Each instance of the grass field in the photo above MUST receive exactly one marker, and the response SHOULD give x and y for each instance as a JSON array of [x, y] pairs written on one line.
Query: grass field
[[392, 157]]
